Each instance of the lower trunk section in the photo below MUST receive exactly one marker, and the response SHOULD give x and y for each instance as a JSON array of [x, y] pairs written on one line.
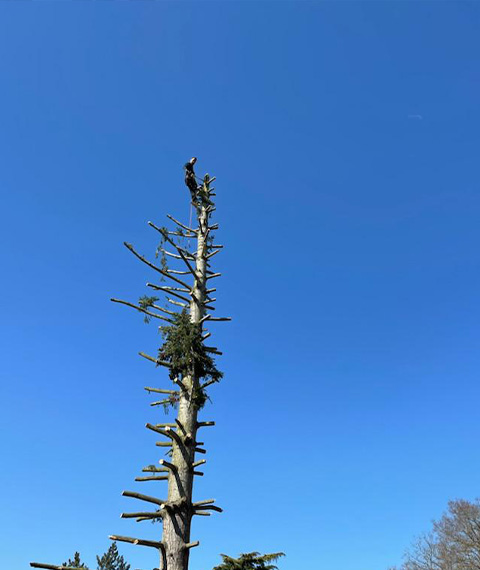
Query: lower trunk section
[[179, 510]]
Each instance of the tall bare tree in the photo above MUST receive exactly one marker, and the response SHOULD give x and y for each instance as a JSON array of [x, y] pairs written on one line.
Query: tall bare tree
[[191, 368]]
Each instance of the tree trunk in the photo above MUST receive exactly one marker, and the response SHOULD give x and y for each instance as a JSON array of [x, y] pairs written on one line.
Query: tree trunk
[[177, 522]]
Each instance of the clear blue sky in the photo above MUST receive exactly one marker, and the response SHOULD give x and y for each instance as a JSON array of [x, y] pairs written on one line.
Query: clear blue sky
[[345, 138]]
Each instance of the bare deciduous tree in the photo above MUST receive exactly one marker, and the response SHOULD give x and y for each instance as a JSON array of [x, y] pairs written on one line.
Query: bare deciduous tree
[[452, 544]]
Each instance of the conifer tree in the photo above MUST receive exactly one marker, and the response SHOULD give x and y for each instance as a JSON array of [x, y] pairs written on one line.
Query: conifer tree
[[112, 560], [250, 561], [75, 563]]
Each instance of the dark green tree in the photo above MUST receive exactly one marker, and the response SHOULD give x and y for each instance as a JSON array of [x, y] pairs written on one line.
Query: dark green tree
[[75, 563], [250, 561], [112, 560]]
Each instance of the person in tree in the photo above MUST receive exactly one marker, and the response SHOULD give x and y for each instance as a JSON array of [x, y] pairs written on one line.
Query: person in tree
[[250, 561], [190, 180]]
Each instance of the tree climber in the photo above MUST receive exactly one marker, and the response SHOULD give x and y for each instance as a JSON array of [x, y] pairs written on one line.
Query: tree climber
[[190, 178]]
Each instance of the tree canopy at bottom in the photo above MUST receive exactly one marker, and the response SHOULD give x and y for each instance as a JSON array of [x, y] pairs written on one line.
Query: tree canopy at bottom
[[250, 561]]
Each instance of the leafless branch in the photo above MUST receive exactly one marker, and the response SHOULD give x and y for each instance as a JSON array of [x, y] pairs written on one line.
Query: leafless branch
[[141, 310]]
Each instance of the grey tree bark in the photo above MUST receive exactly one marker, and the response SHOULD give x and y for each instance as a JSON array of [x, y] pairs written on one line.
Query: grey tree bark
[[177, 522]]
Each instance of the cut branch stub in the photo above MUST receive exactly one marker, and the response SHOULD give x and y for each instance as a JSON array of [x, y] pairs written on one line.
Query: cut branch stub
[[193, 231], [153, 469], [155, 360], [211, 508], [168, 465], [161, 391], [152, 478], [143, 515], [139, 541], [51, 566], [146, 498]]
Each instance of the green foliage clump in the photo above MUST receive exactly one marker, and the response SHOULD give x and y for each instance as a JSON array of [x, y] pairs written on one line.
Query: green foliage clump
[[250, 561], [170, 402], [145, 302], [184, 350], [75, 563], [112, 560], [160, 251]]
